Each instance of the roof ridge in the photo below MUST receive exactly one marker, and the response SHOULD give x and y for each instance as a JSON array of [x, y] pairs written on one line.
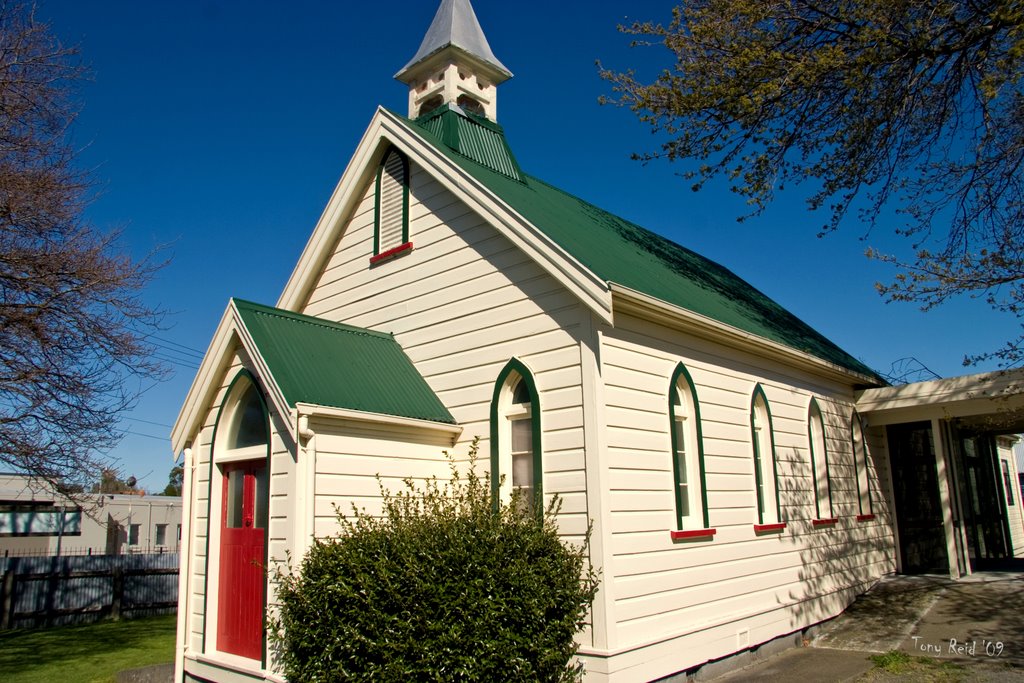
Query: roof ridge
[[271, 311]]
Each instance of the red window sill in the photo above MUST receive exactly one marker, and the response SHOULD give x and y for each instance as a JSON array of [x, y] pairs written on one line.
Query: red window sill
[[769, 528], [827, 521], [865, 518], [391, 253], [692, 534]]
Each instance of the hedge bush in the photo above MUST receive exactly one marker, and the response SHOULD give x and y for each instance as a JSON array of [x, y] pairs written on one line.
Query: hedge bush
[[445, 586]]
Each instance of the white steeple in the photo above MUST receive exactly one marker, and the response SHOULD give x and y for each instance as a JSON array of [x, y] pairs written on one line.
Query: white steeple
[[454, 65]]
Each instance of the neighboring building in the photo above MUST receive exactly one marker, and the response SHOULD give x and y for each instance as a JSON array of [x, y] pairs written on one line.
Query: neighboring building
[[745, 478], [34, 520]]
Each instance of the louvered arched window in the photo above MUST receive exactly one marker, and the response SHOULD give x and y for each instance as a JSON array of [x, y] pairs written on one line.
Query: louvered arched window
[[391, 207]]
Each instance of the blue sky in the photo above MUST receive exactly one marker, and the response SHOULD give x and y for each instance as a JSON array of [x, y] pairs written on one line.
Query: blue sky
[[218, 130]]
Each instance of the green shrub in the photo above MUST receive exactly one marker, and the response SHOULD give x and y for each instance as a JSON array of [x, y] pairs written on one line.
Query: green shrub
[[445, 586]]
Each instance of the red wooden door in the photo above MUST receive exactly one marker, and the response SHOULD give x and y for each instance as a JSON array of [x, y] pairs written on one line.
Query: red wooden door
[[242, 576]]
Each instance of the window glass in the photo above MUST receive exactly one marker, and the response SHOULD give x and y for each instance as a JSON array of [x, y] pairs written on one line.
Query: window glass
[[521, 394], [236, 494], [522, 456], [249, 424], [133, 534], [161, 534], [261, 498], [682, 467]]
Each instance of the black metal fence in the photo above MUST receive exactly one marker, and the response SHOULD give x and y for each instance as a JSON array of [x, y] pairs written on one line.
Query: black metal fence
[[52, 591]]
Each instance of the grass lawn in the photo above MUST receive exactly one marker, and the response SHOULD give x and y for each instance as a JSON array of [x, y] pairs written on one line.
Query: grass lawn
[[90, 654]]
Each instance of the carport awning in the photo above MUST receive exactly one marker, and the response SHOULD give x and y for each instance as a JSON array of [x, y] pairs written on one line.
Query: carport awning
[[991, 402]]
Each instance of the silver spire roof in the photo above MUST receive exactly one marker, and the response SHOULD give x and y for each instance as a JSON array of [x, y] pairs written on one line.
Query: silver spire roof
[[456, 24]]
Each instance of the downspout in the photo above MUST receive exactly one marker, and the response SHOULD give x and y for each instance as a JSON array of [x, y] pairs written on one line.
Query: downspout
[[184, 566], [306, 504]]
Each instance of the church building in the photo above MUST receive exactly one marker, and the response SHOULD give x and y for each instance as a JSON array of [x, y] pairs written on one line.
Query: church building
[[745, 477]]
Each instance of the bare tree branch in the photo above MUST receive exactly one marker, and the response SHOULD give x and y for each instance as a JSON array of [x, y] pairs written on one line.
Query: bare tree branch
[[915, 105], [73, 325]]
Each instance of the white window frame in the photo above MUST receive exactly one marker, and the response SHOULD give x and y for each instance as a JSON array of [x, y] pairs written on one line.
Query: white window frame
[[685, 439], [503, 414], [766, 491], [820, 474]]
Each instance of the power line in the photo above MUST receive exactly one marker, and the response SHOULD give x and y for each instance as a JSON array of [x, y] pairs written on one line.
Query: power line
[[148, 436], [149, 422], [174, 343]]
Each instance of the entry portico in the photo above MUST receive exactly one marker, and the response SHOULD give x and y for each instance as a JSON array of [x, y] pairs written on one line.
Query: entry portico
[[950, 450]]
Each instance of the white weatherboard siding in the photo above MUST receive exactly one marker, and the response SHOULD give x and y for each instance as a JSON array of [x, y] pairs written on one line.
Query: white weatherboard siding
[[353, 461], [708, 591], [463, 303]]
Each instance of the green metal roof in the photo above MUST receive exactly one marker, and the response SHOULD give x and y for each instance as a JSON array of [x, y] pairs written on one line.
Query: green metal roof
[[622, 252], [329, 364]]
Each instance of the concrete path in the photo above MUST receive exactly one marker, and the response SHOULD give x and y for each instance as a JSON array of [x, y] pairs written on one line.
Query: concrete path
[[971, 629]]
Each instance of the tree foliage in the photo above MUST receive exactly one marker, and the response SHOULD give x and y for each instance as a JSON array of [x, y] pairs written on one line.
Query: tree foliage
[[913, 105], [445, 586], [111, 482], [175, 480], [72, 324]]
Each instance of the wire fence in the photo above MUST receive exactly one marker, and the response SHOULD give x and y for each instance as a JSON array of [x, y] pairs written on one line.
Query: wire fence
[[53, 591]]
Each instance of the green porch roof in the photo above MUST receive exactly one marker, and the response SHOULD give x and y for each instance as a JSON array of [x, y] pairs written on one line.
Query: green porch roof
[[619, 251], [340, 366]]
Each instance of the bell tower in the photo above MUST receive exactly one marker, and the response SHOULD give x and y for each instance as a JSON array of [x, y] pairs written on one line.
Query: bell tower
[[454, 65]]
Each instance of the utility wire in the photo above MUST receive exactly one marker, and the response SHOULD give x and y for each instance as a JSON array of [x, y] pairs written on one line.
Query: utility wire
[[148, 436], [149, 422]]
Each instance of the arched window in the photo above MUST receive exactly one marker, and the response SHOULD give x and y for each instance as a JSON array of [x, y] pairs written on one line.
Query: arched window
[[243, 428], [391, 206], [819, 462], [516, 462], [430, 104], [471, 104], [765, 472], [687, 453], [860, 463]]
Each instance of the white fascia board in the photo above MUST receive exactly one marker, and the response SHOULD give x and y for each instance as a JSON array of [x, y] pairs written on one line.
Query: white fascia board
[[577, 278], [1002, 388], [206, 382], [647, 307], [313, 410]]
